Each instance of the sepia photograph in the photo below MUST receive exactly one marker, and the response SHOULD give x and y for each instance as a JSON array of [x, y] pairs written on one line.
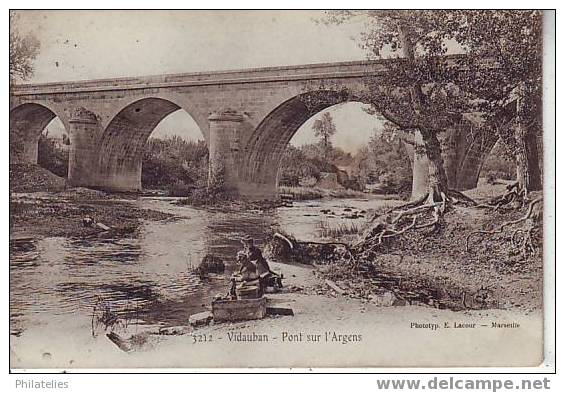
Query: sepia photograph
[[219, 189]]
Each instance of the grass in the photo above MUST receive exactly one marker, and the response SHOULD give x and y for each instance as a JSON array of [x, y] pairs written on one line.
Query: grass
[[341, 229], [307, 193]]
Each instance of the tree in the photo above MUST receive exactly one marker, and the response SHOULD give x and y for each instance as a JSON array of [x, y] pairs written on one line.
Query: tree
[[324, 128], [23, 51], [496, 75], [500, 69], [510, 91], [420, 94]]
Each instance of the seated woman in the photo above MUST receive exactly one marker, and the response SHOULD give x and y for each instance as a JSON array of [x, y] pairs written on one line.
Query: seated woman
[[247, 274], [254, 254], [248, 269]]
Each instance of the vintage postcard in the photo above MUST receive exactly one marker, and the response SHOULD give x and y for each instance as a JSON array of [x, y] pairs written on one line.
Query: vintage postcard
[[305, 189]]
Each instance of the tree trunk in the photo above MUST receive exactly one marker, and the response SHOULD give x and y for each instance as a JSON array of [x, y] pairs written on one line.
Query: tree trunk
[[420, 168], [437, 176], [527, 163], [437, 182]]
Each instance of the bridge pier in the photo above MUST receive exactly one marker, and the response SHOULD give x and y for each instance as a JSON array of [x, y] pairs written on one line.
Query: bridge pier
[[224, 151], [83, 155], [24, 150]]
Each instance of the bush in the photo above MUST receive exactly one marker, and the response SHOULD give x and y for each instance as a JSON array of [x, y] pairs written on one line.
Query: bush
[[175, 165], [499, 165], [179, 189], [52, 157], [210, 264], [303, 163]]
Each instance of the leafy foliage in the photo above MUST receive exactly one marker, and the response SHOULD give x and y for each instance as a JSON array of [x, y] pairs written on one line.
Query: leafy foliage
[[175, 164], [324, 128], [23, 51], [53, 156], [510, 90], [385, 161], [309, 161], [499, 62]]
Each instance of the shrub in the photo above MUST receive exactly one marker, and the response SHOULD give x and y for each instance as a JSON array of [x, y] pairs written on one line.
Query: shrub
[[52, 157], [499, 165], [210, 264], [175, 165], [179, 189]]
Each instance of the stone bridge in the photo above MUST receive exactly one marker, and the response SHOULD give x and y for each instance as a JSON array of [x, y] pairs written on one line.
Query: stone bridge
[[247, 118]]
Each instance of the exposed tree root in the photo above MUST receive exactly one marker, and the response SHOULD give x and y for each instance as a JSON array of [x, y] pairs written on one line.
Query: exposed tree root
[[527, 243], [459, 197], [393, 223], [408, 205], [513, 195], [296, 245], [419, 214]]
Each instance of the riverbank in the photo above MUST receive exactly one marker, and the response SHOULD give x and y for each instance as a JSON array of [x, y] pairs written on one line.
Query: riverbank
[[436, 268], [313, 193], [420, 279], [327, 329], [33, 178], [61, 214]]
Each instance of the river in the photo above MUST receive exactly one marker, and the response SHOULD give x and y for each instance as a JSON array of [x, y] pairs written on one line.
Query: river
[[150, 277]]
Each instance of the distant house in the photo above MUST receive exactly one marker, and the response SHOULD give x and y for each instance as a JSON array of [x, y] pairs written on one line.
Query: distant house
[[375, 188], [329, 181], [351, 170]]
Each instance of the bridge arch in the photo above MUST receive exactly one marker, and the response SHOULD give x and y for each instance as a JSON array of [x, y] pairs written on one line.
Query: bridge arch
[[122, 142], [27, 122], [267, 143]]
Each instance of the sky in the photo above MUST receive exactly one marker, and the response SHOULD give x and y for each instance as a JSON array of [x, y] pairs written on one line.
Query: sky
[[77, 45]]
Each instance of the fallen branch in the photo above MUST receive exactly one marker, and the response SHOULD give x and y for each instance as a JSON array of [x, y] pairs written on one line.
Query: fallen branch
[[334, 286], [284, 238]]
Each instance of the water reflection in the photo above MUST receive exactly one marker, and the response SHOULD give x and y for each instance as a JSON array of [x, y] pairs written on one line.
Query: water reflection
[[149, 275]]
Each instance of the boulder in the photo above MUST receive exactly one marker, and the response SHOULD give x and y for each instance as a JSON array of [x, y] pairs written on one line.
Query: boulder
[[200, 319]]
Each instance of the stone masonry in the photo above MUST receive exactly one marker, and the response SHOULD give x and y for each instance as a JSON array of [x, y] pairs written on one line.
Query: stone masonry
[[247, 118]]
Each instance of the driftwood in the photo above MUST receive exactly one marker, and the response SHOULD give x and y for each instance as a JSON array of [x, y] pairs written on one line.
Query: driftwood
[[335, 287], [285, 239], [294, 245], [121, 343]]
